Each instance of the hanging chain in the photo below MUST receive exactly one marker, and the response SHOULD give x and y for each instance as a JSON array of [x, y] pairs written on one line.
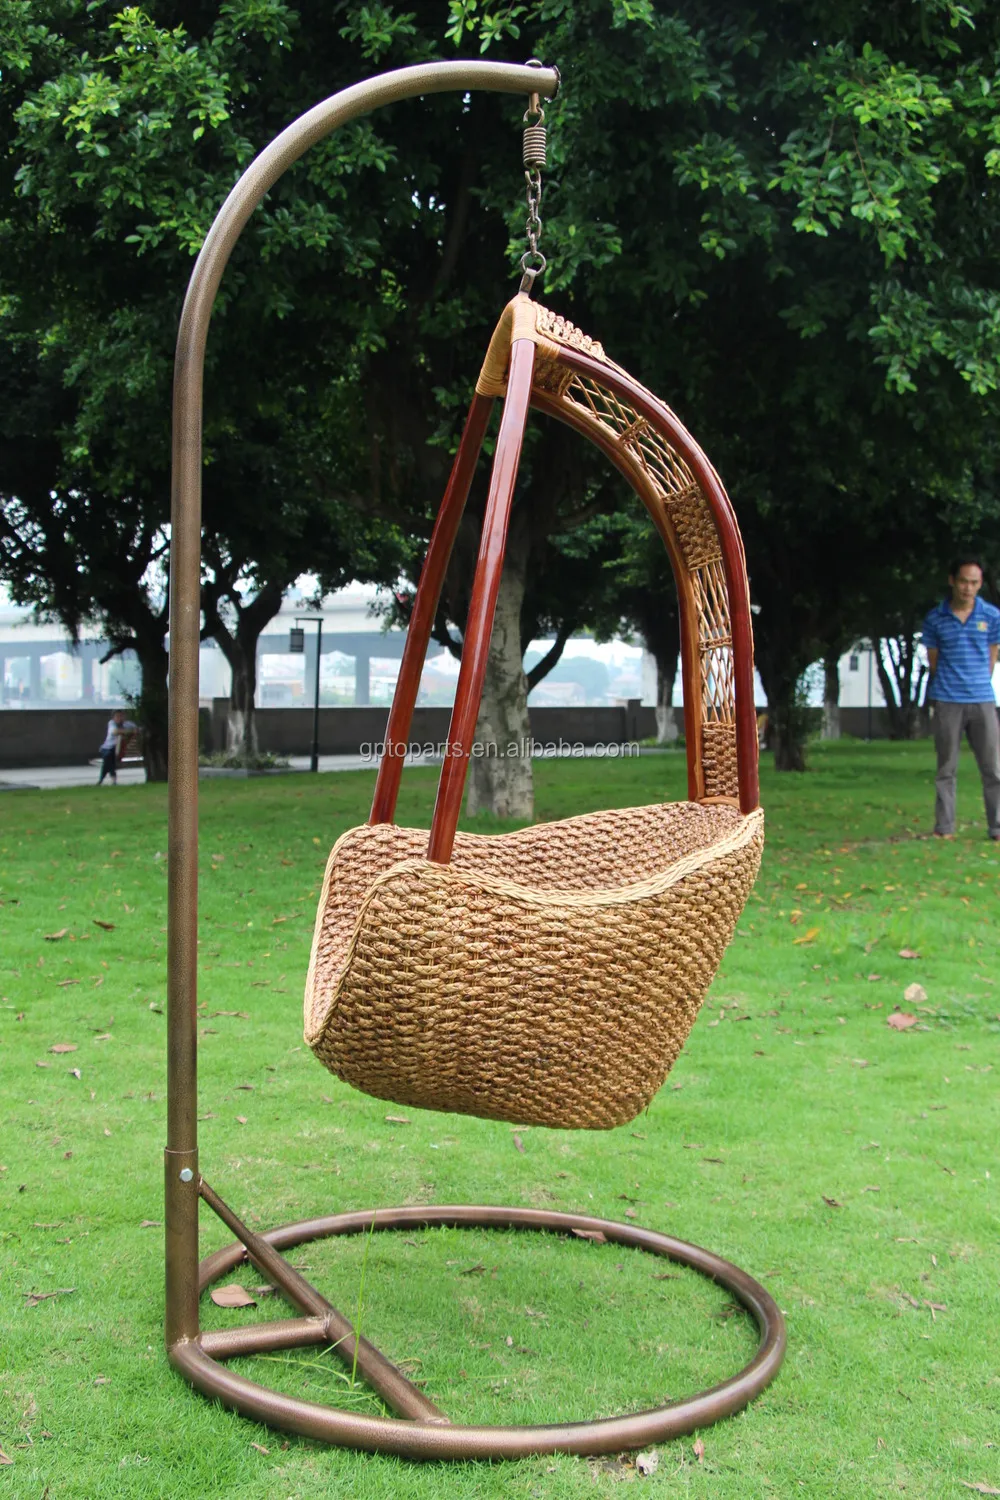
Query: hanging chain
[[533, 154]]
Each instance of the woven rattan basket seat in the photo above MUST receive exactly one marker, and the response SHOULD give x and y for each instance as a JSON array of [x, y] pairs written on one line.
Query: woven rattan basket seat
[[549, 976]]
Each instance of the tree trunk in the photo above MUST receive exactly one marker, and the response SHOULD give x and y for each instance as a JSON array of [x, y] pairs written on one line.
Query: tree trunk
[[666, 722], [241, 656], [241, 727], [659, 621], [500, 774], [787, 722], [831, 698], [787, 730], [901, 678], [239, 647], [894, 713], [154, 663]]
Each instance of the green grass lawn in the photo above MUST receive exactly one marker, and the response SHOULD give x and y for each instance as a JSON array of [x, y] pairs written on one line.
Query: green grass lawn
[[851, 1166]]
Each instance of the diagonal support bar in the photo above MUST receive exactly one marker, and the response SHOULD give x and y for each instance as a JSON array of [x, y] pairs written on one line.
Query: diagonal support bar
[[357, 1353]]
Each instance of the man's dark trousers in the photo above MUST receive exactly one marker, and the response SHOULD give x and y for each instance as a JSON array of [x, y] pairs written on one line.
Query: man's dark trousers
[[979, 722]]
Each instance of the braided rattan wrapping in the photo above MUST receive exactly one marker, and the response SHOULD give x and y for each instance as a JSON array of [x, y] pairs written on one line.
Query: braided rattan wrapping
[[548, 976]]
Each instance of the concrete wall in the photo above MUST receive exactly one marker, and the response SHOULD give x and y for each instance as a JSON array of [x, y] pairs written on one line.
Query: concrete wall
[[854, 722], [66, 737], [56, 736], [51, 736], [342, 731]]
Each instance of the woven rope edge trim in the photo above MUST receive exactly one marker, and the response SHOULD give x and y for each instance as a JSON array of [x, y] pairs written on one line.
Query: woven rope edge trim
[[320, 912], [751, 826]]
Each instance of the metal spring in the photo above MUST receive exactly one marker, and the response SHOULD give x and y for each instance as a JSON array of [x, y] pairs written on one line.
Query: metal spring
[[534, 146]]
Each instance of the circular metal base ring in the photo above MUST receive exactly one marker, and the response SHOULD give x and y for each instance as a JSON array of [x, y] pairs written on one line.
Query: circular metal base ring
[[427, 1440]]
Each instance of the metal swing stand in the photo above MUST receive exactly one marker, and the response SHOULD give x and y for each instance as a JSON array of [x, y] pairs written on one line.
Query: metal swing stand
[[419, 1429]]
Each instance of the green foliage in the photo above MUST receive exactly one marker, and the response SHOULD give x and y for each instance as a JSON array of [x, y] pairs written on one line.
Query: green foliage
[[784, 222], [876, 129], [784, 227], [127, 129]]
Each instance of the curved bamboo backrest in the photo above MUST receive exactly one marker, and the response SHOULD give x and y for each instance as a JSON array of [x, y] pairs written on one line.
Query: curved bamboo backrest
[[537, 358]]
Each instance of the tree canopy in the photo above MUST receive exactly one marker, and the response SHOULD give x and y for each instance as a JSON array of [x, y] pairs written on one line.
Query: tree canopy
[[782, 221]]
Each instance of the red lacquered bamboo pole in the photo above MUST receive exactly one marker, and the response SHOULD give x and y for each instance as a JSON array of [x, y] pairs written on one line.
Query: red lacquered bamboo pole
[[482, 608], [397, 730]]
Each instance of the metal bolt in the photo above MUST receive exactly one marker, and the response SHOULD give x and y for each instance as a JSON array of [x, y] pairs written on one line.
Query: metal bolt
[[186, 1174]]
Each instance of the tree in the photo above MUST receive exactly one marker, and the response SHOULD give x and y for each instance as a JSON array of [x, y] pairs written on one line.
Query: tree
[[125, 136], [802, 201], [560, 526], [831, 696], [68, 548], [781, 223], [902, 675], [297, 523], [129, 130]]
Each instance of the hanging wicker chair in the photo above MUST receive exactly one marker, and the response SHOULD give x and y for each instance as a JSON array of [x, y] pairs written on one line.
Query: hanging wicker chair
[[549, 976]]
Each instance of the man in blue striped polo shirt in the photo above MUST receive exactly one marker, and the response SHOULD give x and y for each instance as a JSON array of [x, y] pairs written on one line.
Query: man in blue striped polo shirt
[[962, 639]]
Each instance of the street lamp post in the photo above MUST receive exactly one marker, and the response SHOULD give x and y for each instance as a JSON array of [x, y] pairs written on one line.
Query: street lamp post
[[297, 643]]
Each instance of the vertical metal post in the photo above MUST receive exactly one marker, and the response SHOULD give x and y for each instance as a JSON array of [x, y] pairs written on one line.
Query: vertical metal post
[[185, 620], [871, 653], [314, 766]]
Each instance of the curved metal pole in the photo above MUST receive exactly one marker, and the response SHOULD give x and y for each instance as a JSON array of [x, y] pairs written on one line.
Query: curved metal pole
[[181, 1164], [426, 1440]]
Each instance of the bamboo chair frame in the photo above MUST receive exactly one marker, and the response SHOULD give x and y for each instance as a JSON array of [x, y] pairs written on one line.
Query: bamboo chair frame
[[722, 766], [561, 372]]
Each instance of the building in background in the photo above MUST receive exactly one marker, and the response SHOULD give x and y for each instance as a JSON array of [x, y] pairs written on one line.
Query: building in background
[[40, 668], [360, 662]]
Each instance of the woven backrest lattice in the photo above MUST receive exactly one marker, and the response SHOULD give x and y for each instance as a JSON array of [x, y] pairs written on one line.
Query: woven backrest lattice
[[689, 515]]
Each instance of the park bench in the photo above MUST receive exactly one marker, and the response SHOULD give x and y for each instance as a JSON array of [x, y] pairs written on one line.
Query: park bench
[[130, 756], [130, 750]]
